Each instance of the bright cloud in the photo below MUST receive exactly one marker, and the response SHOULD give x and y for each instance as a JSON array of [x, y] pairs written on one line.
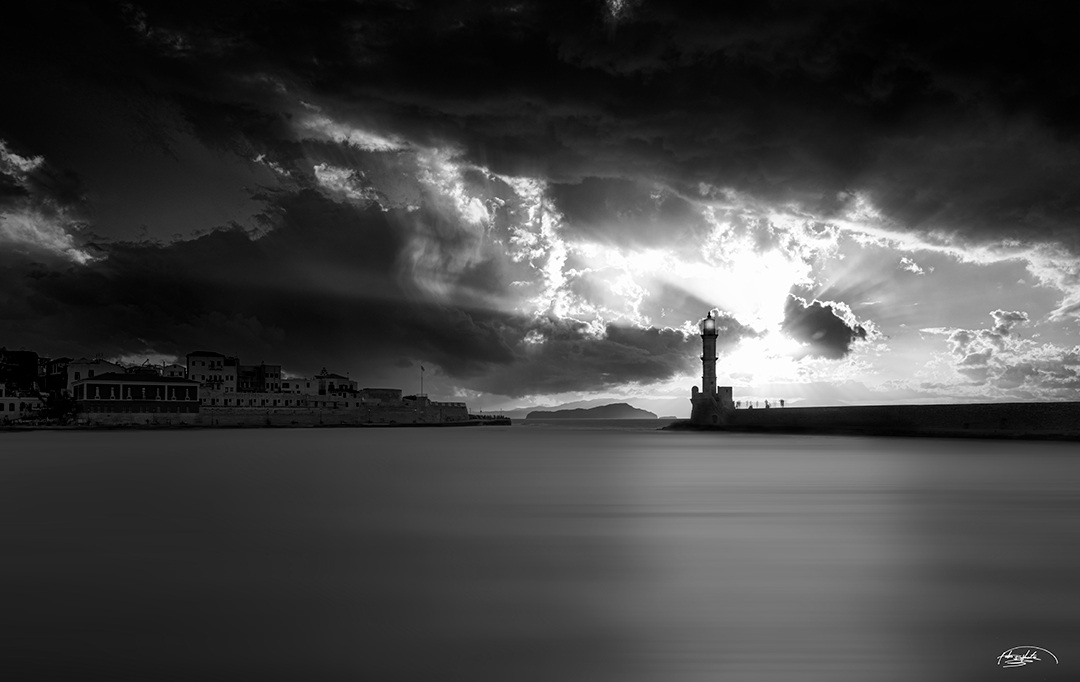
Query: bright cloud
[[321, 126], [999, 362], [345, 182], [912, 267], [35, 220], [17, 166], [37, 230]]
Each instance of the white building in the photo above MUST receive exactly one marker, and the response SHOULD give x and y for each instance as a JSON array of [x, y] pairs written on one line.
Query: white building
[[174, 371], [136, 398], [14, 407], [214, 371], [85, 368]]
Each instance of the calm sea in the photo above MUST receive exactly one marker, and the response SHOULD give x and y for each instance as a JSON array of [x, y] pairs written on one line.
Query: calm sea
[[549, 551]]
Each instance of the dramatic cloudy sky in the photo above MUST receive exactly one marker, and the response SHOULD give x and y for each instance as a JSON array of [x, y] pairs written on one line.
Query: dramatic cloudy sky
[[539, 200]]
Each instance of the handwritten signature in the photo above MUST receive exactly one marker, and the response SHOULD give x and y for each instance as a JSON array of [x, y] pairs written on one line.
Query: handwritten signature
[[1022, 655]]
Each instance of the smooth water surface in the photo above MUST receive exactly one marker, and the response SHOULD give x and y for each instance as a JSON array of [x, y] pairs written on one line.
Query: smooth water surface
[[534, 552]]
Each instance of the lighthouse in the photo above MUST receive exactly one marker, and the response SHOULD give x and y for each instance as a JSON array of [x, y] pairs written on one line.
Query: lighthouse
[[708, 355], [709, 403]]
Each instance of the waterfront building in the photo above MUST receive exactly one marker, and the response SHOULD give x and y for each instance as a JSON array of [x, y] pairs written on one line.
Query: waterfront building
[[711, 404], [330, 383], [136, 398], [174, 371], [213, 371], [255, 399], [260, 378], [16, 405], [323, 383], [86, 368]]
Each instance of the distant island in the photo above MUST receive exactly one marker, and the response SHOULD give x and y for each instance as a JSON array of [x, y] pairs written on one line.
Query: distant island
[[614, 411]]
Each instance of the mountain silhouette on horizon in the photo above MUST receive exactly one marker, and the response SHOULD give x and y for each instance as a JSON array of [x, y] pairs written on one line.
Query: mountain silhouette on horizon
[[612, 411]]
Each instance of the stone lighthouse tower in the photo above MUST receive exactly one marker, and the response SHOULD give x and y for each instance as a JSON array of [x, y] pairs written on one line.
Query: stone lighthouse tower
[[708, 355], [710, 404]]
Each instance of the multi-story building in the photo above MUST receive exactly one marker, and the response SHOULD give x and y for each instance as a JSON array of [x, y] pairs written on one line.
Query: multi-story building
[[261, 378], [85, 368], [330, 383], [174, 371], [213, 371], [323, 383], [136, 397], [15, 406]]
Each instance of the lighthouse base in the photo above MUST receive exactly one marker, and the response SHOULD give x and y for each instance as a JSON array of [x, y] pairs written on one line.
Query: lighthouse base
[[711, 410]]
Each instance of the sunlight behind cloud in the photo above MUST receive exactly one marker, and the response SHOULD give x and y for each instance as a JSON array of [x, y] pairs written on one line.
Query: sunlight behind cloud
[[1049, 263], [445, 176], [744, 258]]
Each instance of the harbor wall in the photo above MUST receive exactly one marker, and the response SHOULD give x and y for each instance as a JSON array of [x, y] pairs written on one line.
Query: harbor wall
[[137, 418], [1016, 420], [427, 414], [353, 416]]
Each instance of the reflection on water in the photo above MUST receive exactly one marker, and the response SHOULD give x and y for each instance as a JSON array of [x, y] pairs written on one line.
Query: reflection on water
[[533, 553]]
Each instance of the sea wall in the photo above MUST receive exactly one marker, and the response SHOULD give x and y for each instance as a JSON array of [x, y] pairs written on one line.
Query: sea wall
[[433, 413], [1016, 420], [430, 413], [137, 418]]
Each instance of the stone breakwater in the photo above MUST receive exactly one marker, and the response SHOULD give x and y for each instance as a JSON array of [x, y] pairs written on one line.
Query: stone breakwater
[[982, 420], [429, 414]]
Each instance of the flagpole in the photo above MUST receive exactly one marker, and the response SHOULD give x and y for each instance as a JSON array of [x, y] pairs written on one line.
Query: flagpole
[[421, 380]]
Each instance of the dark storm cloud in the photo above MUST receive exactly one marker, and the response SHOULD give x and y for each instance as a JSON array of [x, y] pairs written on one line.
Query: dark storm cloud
[[949, 117], [325, 279], [818, 325]]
